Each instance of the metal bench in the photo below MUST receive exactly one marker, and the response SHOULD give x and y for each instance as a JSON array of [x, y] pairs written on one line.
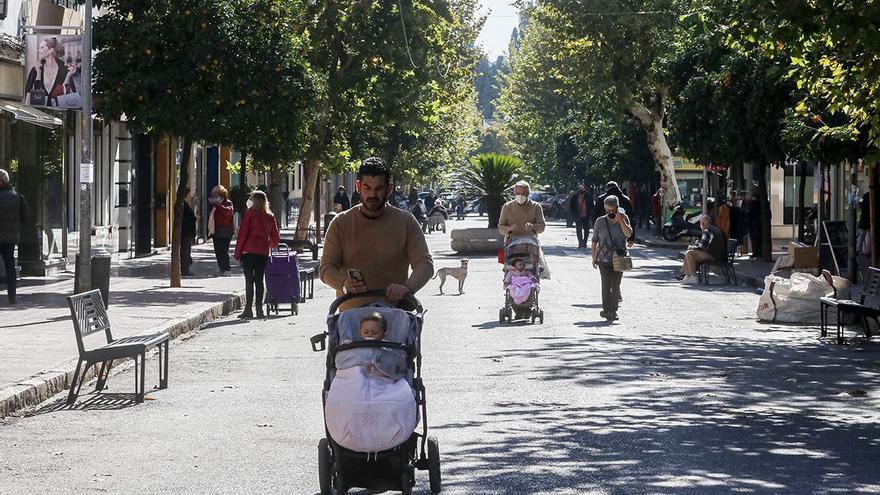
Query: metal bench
[[868, 306], [90, 316], [307, 283], [727, 268], [303, 239]]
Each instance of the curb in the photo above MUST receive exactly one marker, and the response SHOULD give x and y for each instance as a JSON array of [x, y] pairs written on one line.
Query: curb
[[37, 388]]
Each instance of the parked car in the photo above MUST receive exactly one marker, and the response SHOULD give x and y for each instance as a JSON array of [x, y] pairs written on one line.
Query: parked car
[[549, 202]]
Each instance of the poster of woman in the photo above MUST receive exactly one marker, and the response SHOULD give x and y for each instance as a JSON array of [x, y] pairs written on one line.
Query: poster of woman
[[53, 71]]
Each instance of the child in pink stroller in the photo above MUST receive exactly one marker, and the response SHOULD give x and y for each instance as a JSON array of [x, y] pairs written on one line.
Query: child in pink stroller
[[521, 288]]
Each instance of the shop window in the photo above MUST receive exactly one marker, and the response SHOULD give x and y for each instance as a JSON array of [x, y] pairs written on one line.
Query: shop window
[[790, 191]]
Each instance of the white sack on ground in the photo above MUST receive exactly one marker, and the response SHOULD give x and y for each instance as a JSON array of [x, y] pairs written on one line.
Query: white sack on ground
[[367, 412], [796, 300]]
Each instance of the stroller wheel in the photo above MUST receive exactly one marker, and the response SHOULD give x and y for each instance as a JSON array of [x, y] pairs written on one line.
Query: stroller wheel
[[406, 481], [501, 316], [325, 465], [434, 465], [541, 316], [534, 316]]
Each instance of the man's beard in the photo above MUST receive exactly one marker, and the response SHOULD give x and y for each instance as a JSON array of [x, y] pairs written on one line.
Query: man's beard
[[374, 204]]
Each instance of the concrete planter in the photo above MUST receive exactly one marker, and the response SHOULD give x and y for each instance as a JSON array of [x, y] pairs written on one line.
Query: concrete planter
[[476, 241]]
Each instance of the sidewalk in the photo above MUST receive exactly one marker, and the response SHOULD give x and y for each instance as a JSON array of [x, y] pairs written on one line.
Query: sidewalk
[[39, 350]]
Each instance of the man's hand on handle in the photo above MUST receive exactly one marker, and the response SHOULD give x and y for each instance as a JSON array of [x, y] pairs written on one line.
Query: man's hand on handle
[[396, 292]]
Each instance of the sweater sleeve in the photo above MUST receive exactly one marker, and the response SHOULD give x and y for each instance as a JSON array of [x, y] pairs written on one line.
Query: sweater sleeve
[[419, 257], [242, 235], [504, 220], [331, 270], [539, 225]]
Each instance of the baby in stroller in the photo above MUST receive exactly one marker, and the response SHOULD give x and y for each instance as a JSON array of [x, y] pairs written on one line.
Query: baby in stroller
[[521, 289], [374, 399], [520, 281], [370, 405]]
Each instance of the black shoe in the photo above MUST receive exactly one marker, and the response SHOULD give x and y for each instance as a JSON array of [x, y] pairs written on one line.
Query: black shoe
[[246, 315], [260, 315]]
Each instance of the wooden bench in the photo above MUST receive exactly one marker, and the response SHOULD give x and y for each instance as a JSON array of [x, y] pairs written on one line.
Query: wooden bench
[[867, 307], [307, 283], [90, 316], [302, 241], [728, 271]]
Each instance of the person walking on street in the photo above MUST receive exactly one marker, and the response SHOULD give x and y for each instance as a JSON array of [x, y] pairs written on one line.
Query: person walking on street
[[221, 227], [382, 242], [256, 236], [430, 200], [187, 235], [342, 199], [612, 189], [583, 206], [657, 211], [522, 217], [571, 209], [712, 246], [610, 234], [355, 198], [418, 211], [756, 230], [13, 214]]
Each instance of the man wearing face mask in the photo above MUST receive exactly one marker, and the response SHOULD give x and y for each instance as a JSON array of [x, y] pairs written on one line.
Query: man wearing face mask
[[522, 217]]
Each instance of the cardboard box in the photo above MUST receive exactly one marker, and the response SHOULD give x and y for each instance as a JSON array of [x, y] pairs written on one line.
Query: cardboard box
[[804, 256]]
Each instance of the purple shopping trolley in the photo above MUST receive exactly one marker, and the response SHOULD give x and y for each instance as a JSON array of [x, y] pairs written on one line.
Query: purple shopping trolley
[[282, 280]]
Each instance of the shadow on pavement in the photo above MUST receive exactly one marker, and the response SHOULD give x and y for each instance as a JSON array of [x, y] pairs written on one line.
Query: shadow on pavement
[[96, 401], [679, 414]]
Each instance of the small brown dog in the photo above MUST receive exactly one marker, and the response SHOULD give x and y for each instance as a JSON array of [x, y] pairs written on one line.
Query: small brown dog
[[459, 274]]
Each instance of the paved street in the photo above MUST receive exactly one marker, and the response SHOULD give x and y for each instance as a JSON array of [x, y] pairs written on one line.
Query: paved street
[[687, 393]]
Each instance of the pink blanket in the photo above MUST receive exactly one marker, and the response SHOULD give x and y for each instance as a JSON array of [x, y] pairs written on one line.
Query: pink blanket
[[520, 288]]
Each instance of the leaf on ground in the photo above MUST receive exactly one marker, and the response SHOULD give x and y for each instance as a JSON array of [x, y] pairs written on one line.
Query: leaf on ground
[[498, 359], [265, 425], [147, 397]]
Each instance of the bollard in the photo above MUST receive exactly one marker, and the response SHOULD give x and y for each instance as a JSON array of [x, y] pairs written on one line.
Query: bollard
[[101, 275]]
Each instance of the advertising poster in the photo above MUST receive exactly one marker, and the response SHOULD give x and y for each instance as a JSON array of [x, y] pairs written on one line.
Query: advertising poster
[[53, 71]]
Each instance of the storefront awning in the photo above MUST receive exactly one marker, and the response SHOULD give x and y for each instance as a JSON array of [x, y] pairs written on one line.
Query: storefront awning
[[29, 114]]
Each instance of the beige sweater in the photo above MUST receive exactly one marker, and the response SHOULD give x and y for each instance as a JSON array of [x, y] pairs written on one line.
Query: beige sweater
[[383, 249], [514, 214]]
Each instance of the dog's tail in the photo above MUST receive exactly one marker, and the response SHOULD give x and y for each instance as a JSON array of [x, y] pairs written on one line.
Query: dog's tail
[[435, 275]]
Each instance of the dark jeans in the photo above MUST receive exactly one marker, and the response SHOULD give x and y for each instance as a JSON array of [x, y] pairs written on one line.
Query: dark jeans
[[610, 288], [757, 240], [186, 259], [254, 267], [583, 231], [7, 251], [221, 252]]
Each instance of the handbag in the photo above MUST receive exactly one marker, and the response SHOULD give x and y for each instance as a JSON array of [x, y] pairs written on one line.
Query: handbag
[[620, 260], [68, 99]]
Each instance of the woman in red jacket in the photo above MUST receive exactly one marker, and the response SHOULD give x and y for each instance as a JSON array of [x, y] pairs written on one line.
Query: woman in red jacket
[[221, 227], [257, 234]]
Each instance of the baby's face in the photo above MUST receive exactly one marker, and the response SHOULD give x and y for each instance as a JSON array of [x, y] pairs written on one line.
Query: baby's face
[[520, 266], [372, 330]]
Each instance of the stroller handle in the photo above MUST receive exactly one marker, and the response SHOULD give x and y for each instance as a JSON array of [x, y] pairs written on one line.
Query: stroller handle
[[410, 298]]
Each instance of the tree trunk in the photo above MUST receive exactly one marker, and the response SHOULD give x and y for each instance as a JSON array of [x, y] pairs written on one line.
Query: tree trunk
[[318, 209], [493, 210], [276, 200], [764, 198], [179, 198], [653, 125], [310, 169]]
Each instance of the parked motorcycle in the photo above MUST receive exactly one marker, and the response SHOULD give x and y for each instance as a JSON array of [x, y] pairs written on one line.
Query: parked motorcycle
[[682, 225]]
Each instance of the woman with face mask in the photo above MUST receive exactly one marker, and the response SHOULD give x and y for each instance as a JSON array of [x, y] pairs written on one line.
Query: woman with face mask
[[610, 234], [258, 233], [521, 217]]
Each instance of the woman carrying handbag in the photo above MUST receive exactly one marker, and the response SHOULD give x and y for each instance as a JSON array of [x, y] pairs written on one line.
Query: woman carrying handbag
[[610, 234]]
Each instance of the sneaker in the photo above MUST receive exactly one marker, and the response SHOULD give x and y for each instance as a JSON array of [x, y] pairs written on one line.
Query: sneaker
[[690, 280]]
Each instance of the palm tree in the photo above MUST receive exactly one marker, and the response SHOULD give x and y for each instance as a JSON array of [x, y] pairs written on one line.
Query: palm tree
[[491, 177]]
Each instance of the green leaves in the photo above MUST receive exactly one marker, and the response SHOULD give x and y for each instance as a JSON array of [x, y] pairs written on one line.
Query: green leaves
[[491, 175]]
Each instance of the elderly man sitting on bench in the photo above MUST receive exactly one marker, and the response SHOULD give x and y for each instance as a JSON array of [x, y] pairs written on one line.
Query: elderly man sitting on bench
[[712, 246]]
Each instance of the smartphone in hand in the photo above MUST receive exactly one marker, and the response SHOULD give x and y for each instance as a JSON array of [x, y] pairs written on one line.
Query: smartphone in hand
[[356, 275]]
